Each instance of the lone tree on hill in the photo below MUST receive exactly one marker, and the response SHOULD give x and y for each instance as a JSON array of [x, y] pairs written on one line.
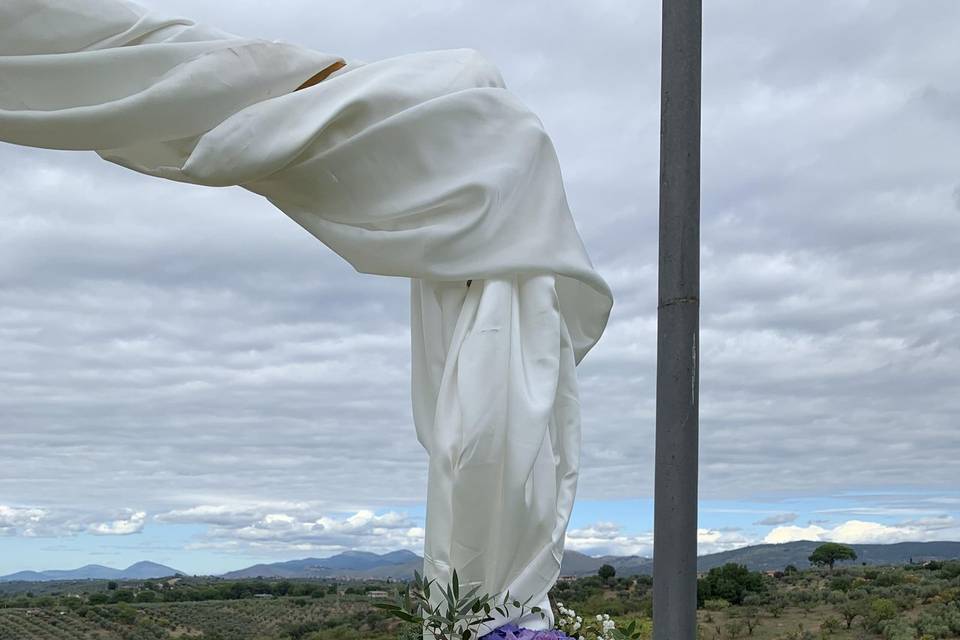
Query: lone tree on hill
[[606, 572], [830, 552]]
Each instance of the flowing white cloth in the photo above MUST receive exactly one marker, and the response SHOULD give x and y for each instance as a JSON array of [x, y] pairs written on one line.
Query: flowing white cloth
[[422, 166]]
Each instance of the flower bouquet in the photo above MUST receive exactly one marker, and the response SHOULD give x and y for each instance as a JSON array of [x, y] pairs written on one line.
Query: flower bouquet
[[459, 616]]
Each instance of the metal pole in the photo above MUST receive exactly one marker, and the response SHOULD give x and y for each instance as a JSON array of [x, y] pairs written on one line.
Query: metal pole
[[678, 327]]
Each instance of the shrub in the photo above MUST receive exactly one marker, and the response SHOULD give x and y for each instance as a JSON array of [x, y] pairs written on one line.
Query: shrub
[[899, 629], [716, 604], [879, 611], [732, 582]]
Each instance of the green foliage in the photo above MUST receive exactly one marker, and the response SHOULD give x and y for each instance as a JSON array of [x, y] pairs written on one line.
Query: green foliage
[[841, 583], [830, 625], [940, 620], [122, 595], [146, 596], [716, 604], [830, 553], [899, 629], [807, 605], [735, 628], [851, 610], [124, 613], [732, 582], [878, 612], [456, 615], [606, 572]]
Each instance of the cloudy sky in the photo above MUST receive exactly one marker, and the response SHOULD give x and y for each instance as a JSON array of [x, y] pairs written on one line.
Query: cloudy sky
[[186, 376]]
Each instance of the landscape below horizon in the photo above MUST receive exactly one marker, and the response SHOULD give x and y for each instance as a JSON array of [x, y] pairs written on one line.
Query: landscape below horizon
[[400, 565]]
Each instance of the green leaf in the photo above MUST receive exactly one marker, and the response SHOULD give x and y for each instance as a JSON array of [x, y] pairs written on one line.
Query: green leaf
[[456, 585], [472, 591]]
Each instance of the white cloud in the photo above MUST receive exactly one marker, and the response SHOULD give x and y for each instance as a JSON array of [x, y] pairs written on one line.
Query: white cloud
[[603, 538], [790, 533], [121, 527], [36, 522], [23, 521], [609, 538], [298, 527], [716, 540], [866, 532]]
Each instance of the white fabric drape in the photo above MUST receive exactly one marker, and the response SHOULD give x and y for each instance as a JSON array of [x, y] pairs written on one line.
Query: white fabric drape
[[422, 166]]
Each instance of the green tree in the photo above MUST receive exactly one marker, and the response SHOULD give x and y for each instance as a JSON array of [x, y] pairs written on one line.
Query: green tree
[[122, 595], [606, 572], [146, 596], [734, 628], [125, 613], [878, 612], [732, 582], [850, 610], [830, 552], [830, 625]]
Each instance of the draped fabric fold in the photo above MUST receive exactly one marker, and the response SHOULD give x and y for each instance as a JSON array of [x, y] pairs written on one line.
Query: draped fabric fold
[[422, 166]]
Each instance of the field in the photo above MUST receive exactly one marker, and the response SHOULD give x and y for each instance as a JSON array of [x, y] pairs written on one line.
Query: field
[[244, 619], [916, 602]]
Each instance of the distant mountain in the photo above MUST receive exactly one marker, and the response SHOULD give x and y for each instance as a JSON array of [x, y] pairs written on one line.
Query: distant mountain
[[400, 565], [136, 571], [772, 557], [351, 564], [578, 564]]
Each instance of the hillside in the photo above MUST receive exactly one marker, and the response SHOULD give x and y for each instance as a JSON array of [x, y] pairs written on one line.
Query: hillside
[[400, 565], [136, 571], [351, 564]]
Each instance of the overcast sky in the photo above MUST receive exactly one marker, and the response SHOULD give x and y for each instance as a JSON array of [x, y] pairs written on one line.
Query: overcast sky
[[186, 376]]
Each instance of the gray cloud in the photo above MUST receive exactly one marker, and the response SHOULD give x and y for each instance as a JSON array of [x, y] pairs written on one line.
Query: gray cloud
[[282, 527], [167, 348], [780, 518], [34, 522]]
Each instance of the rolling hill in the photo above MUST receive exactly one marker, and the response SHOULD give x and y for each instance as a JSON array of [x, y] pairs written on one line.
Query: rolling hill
[[400, 565], [136, 571]]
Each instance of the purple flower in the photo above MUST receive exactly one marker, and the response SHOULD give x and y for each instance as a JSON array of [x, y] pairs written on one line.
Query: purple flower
[[513, 632]]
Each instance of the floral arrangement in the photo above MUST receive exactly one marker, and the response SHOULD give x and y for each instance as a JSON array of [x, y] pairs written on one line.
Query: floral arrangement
[[600, 628], [460, 616]]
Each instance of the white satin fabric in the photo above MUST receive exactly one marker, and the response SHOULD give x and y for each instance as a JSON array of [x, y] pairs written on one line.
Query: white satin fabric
[[422, 166]]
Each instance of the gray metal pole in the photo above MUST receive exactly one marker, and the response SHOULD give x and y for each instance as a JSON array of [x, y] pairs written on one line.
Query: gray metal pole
[[678, 327]]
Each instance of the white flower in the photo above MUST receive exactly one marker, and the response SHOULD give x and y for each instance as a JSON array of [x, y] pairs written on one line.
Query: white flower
[[599, 618]]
